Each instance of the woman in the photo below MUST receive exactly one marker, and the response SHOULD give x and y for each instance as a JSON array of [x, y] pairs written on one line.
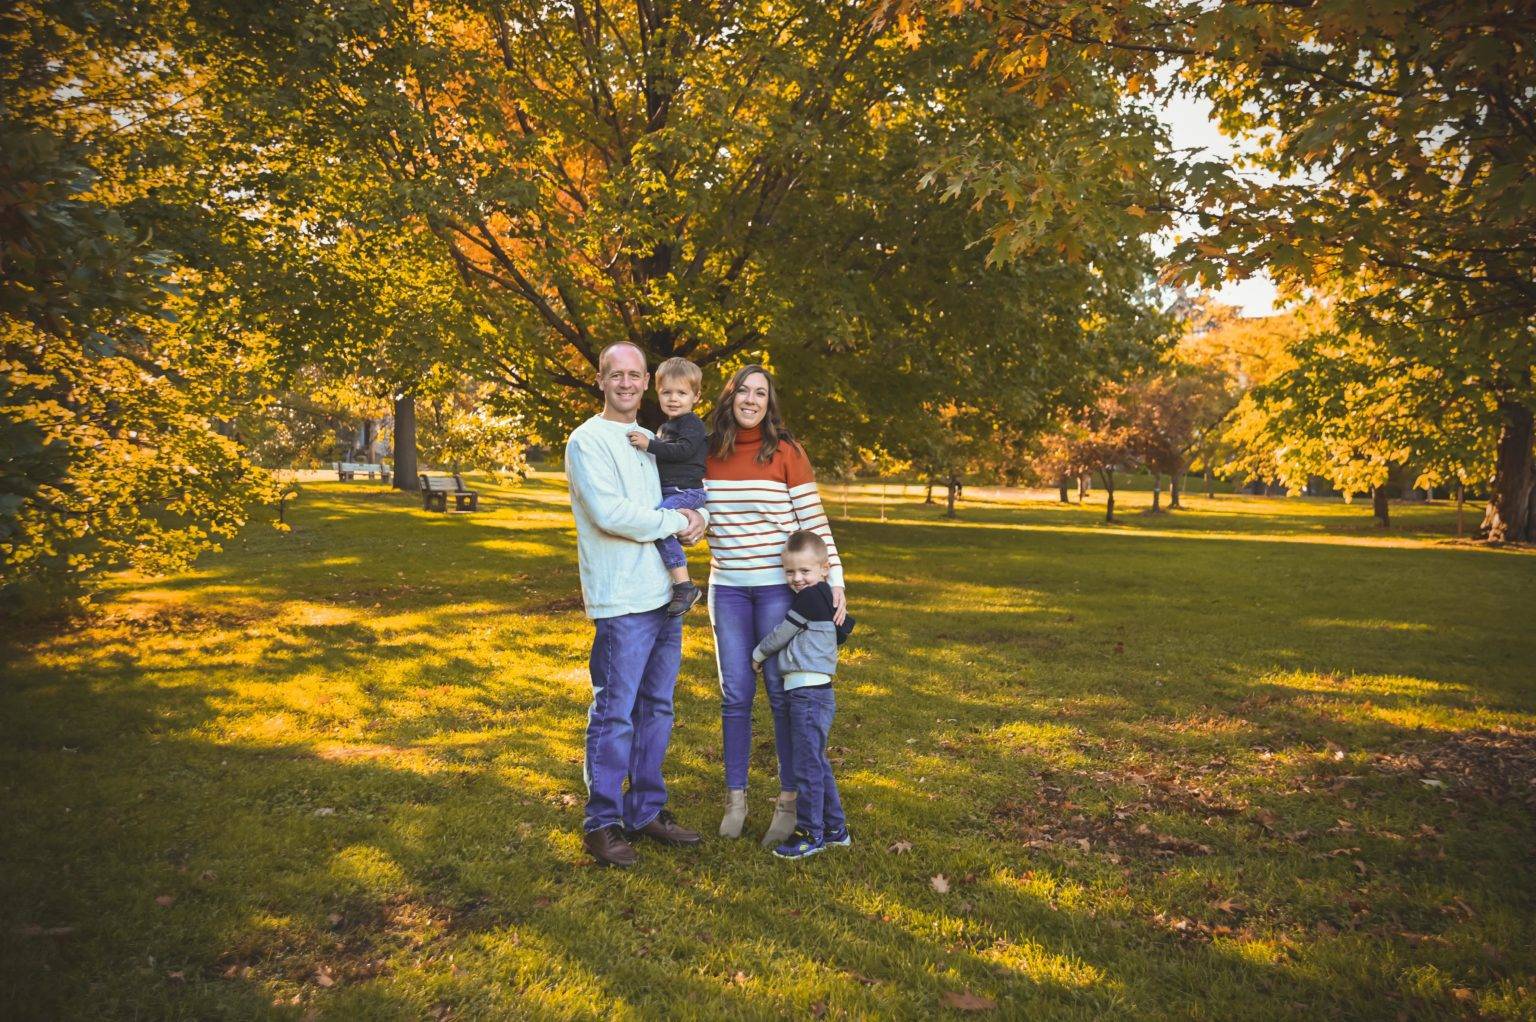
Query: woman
[[761, 489]]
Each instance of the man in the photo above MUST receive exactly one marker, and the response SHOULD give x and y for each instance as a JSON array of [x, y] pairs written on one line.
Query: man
[[638, 646]]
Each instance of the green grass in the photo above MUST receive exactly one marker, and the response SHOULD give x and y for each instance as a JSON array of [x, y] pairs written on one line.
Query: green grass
[[1253, 760]]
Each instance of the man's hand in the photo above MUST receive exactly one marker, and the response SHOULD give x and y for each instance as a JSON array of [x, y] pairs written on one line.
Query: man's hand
[[839, 605], [690, 535], [639, 441]]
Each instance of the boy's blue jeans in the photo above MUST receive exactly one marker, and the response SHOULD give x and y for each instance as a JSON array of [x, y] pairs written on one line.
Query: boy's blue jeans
[[675, 499], [634, 665], [818, 809], [743, 616]]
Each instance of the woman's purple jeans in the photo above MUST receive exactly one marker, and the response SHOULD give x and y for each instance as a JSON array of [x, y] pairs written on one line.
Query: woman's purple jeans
[[743, 616]]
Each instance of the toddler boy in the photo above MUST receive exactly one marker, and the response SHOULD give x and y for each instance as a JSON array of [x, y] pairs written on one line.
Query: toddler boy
[[679, 447]]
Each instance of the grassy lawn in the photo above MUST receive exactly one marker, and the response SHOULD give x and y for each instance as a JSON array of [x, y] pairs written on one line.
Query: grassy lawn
[[1252, 760]]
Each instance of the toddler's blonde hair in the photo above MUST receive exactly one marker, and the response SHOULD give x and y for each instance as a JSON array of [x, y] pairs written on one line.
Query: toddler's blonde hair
[[681, 369]]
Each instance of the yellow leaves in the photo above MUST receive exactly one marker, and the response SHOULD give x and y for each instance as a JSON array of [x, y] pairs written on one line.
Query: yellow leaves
[[1136, 211]]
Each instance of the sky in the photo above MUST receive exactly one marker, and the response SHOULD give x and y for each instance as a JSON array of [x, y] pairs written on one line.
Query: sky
[[1191, 125]]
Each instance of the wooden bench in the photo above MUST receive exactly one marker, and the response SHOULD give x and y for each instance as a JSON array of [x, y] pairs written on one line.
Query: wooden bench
[[435, 491], [346, 471]]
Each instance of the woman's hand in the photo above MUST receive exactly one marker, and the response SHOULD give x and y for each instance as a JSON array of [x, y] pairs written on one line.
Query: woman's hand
[[839, 605], [639, 441]]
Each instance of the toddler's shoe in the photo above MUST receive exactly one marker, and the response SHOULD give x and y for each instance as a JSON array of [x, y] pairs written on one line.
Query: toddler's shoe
[[799, 846], [840, 837], [684, 596]]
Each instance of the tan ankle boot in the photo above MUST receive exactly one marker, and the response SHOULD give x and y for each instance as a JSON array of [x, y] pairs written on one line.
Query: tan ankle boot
[[783, 823], [735, 813]]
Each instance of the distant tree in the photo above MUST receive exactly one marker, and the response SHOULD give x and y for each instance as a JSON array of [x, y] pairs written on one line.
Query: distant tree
[[462, 433], [1101, 439], [1398, 149], [1355, 414], [1171, 409]]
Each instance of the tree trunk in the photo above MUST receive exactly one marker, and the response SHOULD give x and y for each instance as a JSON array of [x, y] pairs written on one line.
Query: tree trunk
[[1210, 486], [1175, 491], [1157, 493], [1082, 487], [1062, 491], [929, 499], [405, 443], [1107, 475], [1461, 501], [953, 487], [1379, 506], [1508, 517]]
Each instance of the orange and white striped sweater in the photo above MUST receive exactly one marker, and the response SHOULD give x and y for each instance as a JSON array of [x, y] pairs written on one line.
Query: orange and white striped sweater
[[754, 507]]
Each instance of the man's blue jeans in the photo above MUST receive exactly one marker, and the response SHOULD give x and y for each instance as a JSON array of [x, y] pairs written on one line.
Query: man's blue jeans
[[743, 616], [675, 499], [634, 665], [817, 808]]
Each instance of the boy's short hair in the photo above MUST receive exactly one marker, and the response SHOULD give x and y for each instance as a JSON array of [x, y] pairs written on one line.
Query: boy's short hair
[[806, 541], [680, 369]]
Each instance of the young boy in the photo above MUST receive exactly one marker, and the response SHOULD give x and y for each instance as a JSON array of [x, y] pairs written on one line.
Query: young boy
[[679, 448], [806, 645]]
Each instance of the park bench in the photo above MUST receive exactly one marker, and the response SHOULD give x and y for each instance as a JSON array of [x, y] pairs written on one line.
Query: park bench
[[435, 491], [346, 471]]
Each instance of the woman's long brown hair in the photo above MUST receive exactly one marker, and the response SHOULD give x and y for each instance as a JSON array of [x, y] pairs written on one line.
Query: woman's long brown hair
[[722, 422]]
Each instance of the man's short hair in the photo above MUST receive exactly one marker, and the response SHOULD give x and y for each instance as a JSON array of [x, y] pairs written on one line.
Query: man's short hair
[[806, 541], [681, 369], [602, 357]]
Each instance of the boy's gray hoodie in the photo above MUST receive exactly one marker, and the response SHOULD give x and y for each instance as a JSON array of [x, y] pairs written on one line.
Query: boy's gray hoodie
[[806, 640]]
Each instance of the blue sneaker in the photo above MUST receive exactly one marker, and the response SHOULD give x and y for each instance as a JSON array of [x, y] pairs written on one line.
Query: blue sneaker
[[799, 846], [840, 837]]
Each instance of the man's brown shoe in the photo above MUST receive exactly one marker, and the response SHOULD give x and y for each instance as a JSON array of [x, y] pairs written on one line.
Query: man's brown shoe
[[608, 847], [667, 830]]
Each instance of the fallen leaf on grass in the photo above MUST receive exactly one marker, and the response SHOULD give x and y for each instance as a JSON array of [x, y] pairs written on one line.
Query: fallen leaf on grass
[[324, 978], [325, 811], [166, 900], [859, 977], [939, 883], [33, 930], [819, 1010], [740, 979], [900, 847], [968, 1001], [334, 918], [1229, 905], [1463, 994]]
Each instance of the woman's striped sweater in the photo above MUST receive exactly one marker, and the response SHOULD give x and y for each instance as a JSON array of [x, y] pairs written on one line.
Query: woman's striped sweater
[[754, 507]]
